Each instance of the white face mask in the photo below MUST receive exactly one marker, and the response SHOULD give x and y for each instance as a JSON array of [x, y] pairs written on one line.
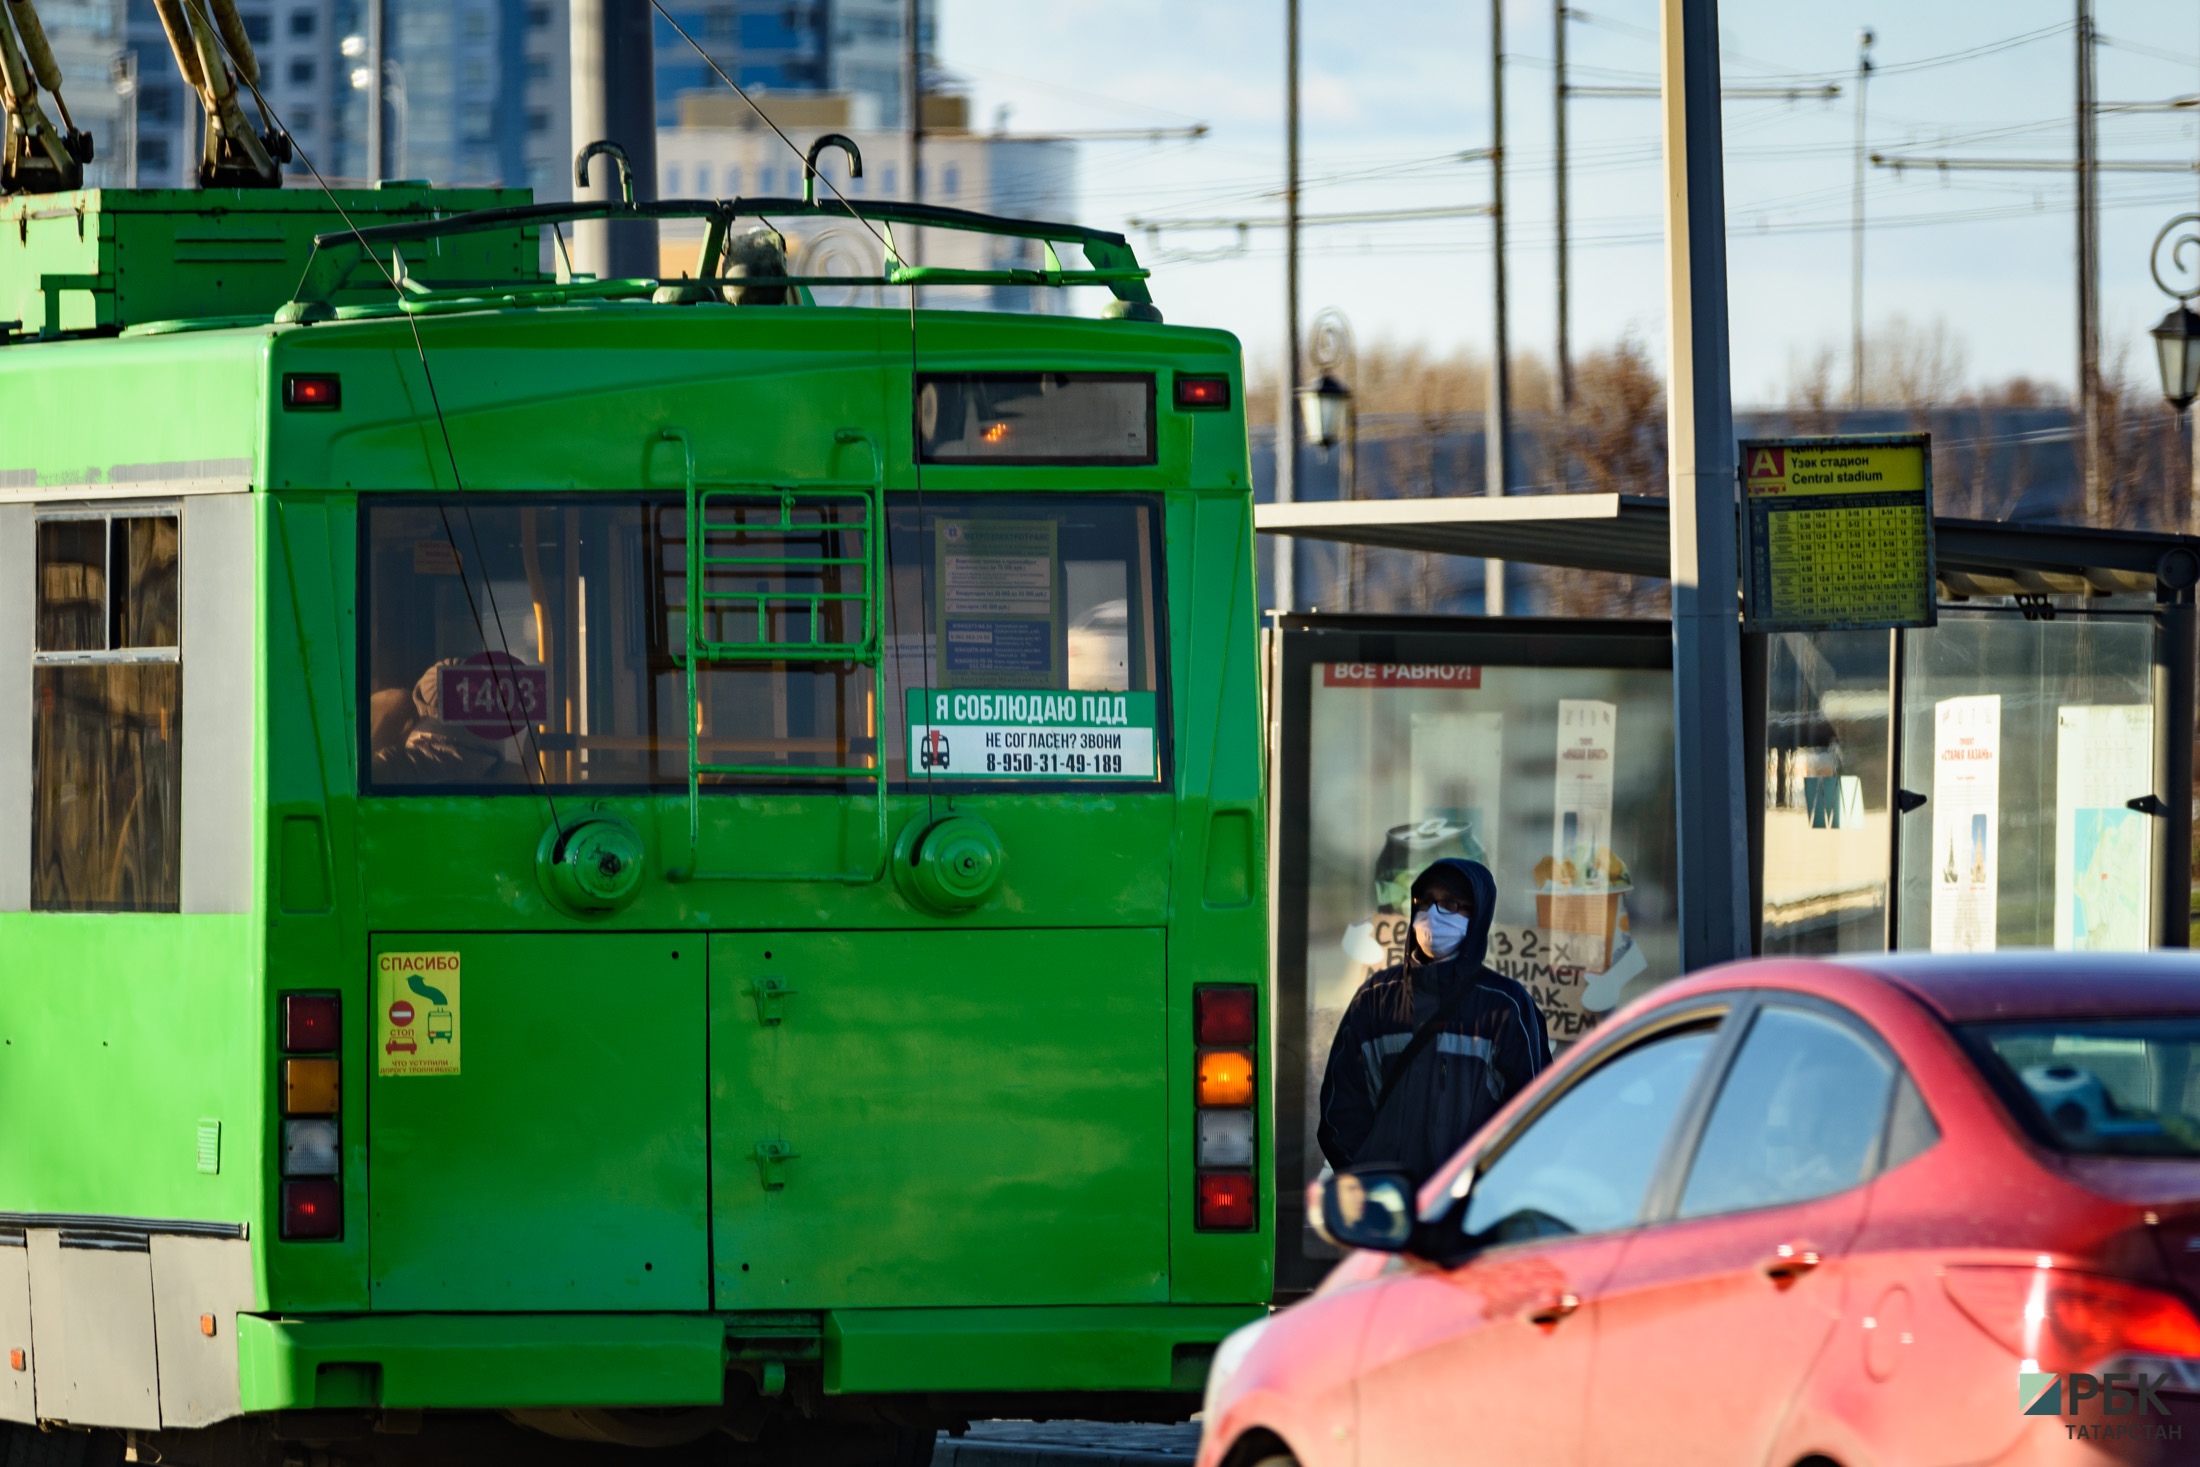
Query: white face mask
[[1439, 932]]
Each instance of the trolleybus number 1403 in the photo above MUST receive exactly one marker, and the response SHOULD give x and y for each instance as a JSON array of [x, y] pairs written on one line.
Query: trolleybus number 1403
[[969, 734]]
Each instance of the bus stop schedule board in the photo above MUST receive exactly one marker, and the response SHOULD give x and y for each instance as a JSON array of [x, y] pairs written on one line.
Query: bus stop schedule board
[[1839, 533]]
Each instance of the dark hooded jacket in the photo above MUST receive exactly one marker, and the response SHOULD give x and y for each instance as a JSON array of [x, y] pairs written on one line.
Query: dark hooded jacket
[[1492, 1044]]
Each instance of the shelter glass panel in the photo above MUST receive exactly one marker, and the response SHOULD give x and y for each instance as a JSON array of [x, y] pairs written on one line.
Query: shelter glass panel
[[1826, 842], [2028, 741]]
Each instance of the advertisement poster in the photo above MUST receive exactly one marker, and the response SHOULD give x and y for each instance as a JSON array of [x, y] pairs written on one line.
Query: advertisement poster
[[1000, 623], [1581, 886], [2104, 871], [1966, 803]]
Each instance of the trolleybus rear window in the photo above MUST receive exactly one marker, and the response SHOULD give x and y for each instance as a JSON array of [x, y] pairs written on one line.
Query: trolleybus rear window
[[1036, 418], [521, 643]]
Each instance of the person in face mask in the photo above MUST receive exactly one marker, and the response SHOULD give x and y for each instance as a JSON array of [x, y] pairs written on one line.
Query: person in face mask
[[1430, 1049]]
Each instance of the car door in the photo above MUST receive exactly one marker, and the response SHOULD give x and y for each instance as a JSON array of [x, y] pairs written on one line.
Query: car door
[[1709, 1325], [1484, 1361]]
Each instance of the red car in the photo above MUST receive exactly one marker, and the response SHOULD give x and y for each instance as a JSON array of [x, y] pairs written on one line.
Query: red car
[[1784, 1214]]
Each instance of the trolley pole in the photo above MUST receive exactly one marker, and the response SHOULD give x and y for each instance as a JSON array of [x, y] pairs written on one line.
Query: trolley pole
[[1709, 748], [615, 99], [1497, 432], [1287, 400]]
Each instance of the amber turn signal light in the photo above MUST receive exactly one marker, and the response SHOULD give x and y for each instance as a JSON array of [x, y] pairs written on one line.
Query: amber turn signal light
[[1223, 1015], [313, 1208], [310, 1087], [1226, 1201], [1225, 1078]]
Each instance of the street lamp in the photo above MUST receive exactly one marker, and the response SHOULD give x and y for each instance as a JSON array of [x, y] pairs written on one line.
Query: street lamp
[[2177, 335], [1324, 407], [1332, 417], [2177, 341]]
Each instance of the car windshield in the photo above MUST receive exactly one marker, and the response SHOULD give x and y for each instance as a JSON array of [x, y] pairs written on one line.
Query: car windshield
[[2109, 1087]]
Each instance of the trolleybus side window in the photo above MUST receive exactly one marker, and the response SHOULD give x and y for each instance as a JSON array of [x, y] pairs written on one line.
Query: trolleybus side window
[[107, 694], [521, 643]]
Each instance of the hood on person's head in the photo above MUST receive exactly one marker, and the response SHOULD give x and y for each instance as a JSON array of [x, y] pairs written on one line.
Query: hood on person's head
[[1475, 879]]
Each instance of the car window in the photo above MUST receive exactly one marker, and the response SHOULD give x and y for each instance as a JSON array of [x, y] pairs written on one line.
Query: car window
[[2099, 1087], [1584, 1165], [1799, 1116]]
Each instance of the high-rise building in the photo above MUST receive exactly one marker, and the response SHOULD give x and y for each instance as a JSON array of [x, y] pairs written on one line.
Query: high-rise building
[[849, 46], [299, 76], [546, 126], [455, 98]]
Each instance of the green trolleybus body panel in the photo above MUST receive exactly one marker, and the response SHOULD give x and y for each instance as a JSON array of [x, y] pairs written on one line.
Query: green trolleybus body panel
[[570, 1137], [792, 1100], [943, 1176]]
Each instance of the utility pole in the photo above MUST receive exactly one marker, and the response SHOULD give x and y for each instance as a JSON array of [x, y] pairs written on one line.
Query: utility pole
[[1287, 405], [2089, 268], [615, 99], [1864, 39], [1565, 264], [1709, 749], [377, 36], [1497, 431]]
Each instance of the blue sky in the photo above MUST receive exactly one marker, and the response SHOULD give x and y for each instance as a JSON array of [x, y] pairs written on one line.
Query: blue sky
[[1392, 90]]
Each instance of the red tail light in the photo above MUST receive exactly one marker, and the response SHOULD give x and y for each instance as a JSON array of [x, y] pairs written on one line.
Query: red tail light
[[1224, 1015], [1227, 1201], [1196, 394], [2070, 1321], [313, 1207], [313, 391], [310, 1022]]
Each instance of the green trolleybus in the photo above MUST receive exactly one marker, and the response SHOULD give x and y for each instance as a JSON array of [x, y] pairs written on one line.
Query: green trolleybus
[[647, 862]]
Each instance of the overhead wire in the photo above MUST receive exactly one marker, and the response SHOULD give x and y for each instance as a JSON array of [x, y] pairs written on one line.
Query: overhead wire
[[884, 527], [536, 767]]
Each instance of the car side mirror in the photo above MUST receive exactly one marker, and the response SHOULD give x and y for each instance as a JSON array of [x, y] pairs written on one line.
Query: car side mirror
[[1371, 1208]]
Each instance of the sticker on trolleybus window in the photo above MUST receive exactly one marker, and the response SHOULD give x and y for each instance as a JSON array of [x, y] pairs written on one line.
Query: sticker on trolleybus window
[[416, 1029], [978, 733]]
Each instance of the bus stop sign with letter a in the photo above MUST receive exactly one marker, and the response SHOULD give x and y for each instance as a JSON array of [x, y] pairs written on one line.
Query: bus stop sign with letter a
[[1838, 533]]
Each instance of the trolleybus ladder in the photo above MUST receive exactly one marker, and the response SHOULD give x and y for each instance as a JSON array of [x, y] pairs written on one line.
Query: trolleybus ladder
[[860, 640]]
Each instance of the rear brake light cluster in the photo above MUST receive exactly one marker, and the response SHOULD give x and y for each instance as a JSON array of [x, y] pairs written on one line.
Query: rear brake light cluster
[[2061, 1321], [1225, 1023], [312, 1092]]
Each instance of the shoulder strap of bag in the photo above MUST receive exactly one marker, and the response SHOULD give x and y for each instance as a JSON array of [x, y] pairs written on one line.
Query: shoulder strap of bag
[[1423, 1037]]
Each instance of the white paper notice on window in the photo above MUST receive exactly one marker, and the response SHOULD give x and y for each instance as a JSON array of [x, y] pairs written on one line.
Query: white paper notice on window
[[1965, 868], [2104, 868]]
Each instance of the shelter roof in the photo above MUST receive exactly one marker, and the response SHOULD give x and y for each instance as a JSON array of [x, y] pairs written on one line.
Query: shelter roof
[[1627, 534]]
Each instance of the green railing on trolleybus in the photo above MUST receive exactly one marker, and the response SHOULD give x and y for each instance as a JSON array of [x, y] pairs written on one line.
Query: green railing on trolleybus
[[773, 615]]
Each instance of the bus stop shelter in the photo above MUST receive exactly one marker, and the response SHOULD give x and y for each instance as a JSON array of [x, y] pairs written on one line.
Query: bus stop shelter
[[2018, 775]]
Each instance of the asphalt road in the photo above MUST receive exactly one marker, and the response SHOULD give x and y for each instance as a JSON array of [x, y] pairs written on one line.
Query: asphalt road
[[1068, 1444]]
